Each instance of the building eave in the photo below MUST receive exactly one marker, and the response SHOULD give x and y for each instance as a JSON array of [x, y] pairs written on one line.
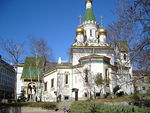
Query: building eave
[[50, 72]]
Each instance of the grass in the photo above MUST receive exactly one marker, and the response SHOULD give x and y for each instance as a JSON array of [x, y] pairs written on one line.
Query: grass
[[45, 105], [94, 107], [117, 99]]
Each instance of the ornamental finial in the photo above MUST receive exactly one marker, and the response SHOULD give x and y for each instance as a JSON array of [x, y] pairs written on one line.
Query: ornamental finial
[[88, 0], [80, 19]]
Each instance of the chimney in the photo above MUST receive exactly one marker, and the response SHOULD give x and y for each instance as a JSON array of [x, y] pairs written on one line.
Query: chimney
[[59, 60]]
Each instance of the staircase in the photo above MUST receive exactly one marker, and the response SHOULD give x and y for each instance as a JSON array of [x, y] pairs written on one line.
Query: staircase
[[65, 104]]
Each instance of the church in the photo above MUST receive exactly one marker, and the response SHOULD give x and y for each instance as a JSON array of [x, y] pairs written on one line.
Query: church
[[96, 68]]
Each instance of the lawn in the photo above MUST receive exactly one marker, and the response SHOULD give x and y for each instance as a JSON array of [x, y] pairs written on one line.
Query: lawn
[[94, 107]]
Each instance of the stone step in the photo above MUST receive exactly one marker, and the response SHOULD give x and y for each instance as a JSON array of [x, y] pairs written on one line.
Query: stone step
[[64, 104]]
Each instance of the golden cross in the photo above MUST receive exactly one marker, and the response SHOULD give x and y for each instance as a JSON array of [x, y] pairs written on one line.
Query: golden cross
[[101, 17]]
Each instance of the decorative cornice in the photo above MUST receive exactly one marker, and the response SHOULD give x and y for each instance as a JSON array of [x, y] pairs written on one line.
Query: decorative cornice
[[63, 67], [31, 79], [94, 56], [91, 47], [77, 66]]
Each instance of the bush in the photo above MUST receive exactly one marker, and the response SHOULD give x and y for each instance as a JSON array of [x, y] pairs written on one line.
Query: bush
[[45, 105], [92, 107], [136, 97]]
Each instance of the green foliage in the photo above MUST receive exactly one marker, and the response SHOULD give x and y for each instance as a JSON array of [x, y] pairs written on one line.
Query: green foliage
[[136, 97], [99, 80], [22, 97], [92, 107]]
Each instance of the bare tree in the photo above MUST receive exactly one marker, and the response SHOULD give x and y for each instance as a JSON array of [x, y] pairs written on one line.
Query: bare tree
[[132, 25], [13, 51], [40, 49], [141, 11]]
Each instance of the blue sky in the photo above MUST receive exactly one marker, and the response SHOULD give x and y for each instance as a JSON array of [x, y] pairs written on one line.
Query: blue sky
[[54, 20]]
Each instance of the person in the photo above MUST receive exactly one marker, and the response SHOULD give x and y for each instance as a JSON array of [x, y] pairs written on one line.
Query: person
[[29, 92], [66, 111]]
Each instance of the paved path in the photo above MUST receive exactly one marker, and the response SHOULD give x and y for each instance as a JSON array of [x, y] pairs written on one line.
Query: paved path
[[38, 110], [27, 110]]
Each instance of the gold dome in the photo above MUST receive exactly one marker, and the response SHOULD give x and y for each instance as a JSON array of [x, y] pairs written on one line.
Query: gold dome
[[102, 30], [79, 31], [88, 0]]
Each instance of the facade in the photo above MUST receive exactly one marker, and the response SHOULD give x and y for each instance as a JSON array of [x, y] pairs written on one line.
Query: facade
[[7, 80], [19, 82], [92, 60], [141, 81]]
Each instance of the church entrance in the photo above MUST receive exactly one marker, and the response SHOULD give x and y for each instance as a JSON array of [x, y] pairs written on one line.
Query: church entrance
[[31, 91], [76, 93]]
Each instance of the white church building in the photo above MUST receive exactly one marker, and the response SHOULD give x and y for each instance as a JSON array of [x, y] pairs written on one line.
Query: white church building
[[95, 68]]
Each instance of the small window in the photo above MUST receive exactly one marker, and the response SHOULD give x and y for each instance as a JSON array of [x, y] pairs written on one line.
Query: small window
[[97, 94], [125, 57], [86, 75], [52, 83], [66, 97], [106, 77], [90, 32], [85, 94], [66, 79], [45, 86], [143, 88]]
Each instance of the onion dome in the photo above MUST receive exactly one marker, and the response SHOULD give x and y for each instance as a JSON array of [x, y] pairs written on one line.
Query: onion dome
[[102, 31], [79, 31], [88, 0]]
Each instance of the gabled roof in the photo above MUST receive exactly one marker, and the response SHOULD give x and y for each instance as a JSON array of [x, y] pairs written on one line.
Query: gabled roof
[[123, 46], [33, 68], [89, 15]]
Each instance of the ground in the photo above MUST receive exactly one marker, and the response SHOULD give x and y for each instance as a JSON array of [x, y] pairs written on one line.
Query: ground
[[38, 110]]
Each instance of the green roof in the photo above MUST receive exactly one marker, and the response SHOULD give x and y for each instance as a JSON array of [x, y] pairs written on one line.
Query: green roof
[[89, 15], [33, 68]]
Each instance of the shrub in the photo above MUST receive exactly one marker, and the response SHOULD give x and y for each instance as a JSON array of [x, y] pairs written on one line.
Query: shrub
[[45, 105]]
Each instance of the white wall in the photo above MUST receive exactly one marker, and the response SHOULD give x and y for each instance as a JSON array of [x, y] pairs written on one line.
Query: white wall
[[19, 82]]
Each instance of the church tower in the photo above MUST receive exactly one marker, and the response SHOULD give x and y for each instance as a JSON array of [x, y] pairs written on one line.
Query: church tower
[[90, 37]]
